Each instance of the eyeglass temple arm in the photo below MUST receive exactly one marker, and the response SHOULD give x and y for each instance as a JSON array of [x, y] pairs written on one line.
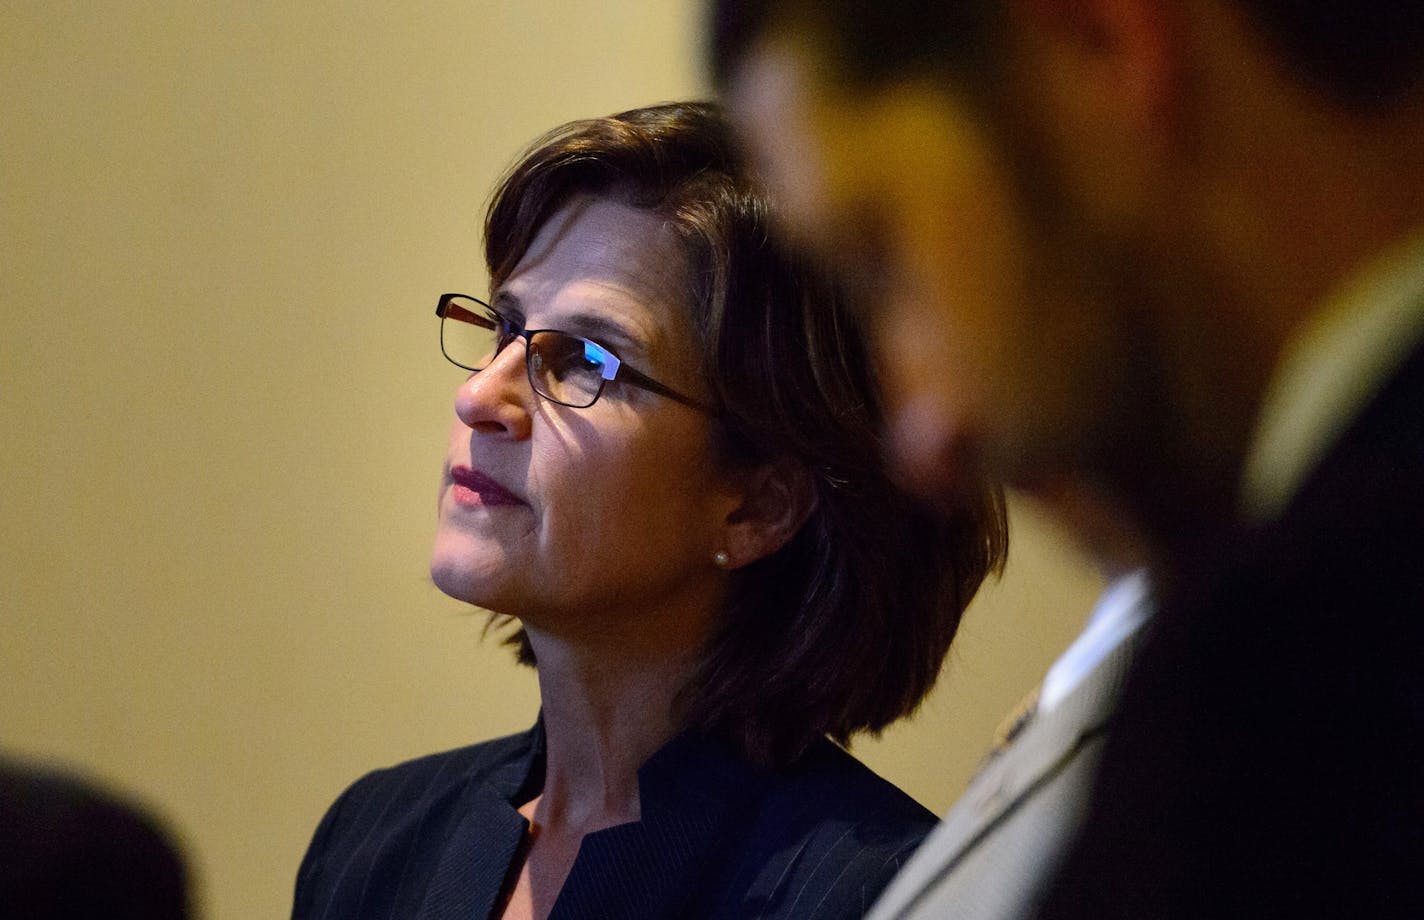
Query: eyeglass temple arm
[[627, 374], [447, 309]]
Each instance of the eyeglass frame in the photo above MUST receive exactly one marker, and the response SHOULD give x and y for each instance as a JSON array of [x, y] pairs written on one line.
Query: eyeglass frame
[[614, 367]]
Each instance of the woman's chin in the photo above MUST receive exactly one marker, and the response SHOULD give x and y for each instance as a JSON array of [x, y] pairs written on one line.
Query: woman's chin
[[466, 578]]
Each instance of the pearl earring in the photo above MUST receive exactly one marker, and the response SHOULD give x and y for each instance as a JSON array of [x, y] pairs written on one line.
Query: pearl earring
[[721, 559]]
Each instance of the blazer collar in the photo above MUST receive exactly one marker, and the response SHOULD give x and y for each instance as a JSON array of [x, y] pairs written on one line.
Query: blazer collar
[[1043, 744], [695, 796], [473, 866]]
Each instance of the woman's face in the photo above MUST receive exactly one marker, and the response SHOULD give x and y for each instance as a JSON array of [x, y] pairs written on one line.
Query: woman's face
[[573, 519]]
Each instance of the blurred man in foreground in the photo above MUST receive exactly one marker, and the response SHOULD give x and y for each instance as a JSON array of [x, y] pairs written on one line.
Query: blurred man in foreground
[[1170, 256], [72, 851]]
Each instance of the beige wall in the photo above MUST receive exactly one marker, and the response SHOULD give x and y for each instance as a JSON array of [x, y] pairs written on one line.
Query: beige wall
[[222, 228]]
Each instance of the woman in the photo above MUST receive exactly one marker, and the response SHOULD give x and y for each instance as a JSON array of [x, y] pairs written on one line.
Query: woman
[[679, 497]]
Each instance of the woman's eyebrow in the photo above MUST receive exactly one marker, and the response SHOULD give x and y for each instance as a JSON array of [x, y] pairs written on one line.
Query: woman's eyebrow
[[601, 329], [604, 330]]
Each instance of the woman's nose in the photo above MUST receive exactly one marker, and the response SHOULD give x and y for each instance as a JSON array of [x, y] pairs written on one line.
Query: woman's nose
[[498, 400]]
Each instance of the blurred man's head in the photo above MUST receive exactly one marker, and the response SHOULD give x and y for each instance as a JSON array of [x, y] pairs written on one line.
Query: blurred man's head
[[1083, 228]]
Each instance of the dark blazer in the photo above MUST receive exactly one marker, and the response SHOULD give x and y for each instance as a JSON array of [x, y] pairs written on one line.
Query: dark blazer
[[69, 851], [1268, 759], [439, 837]]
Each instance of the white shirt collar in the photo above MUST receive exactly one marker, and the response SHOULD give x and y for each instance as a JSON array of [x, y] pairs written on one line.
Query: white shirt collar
[[1121, 609], [1337, 361]]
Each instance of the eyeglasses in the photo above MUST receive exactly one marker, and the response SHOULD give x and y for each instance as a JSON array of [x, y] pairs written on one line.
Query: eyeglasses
[[562, 368]]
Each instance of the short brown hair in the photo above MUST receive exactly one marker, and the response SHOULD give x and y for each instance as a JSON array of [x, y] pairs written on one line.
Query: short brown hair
[[844, 628]]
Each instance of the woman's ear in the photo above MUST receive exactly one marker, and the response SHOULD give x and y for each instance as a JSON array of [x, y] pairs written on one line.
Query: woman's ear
[[776, 499]]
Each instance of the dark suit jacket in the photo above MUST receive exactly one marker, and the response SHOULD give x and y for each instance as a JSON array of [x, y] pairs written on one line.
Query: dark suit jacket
[[1269, 754], [439, 837], [71, 852]]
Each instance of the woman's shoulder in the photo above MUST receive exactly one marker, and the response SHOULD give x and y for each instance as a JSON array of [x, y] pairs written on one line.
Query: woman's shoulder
[[828, 784], [829, 835], [399, 817], [414, 787], [461, 765]]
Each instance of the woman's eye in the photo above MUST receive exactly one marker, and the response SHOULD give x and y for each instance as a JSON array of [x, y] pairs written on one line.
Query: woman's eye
[[560, 357], [580, 361]]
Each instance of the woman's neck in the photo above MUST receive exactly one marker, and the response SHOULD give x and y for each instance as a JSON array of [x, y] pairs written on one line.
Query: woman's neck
[[609, 693], [606, 710]]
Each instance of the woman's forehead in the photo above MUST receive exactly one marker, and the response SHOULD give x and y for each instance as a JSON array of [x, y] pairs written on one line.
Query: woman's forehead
[[599, 261]]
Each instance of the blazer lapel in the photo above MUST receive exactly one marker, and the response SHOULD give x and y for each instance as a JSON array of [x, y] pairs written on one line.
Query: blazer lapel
[[1038, 746], [472, 868], [694, 797], [470, 873]]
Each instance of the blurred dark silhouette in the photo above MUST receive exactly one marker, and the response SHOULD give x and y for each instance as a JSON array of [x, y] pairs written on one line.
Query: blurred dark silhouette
[[1173, 254], [69, 850]]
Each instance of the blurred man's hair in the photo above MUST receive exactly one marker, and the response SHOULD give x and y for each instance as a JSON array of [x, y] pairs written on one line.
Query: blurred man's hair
[[1364, 54]]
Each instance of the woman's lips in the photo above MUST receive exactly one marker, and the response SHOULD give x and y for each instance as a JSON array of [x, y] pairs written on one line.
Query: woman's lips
[[471, 487]]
